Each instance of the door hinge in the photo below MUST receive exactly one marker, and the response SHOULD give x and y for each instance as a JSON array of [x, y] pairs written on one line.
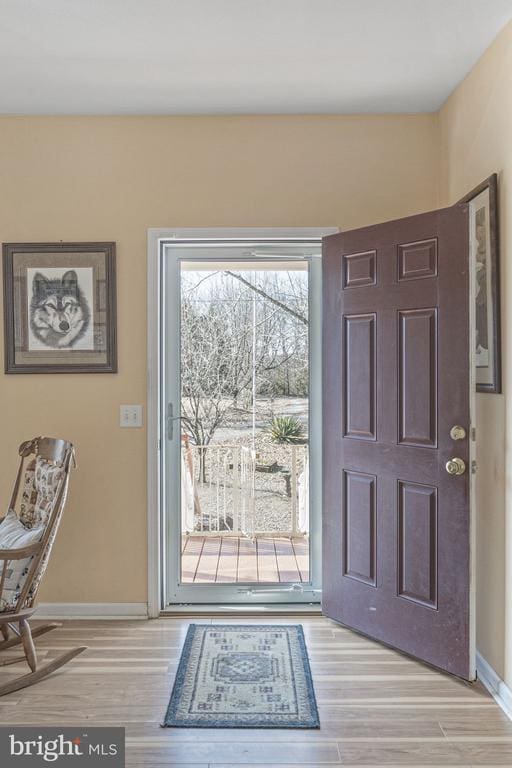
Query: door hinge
[[473, 467], [473, 433]]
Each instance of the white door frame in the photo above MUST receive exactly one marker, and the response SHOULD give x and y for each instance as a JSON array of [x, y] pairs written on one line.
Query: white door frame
[[156, 237]]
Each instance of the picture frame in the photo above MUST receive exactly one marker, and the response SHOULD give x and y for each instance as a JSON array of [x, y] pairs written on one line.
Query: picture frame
[[485, 264], [60, 307]]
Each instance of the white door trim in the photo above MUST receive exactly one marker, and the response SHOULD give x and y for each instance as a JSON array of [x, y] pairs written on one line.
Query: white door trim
[[153, 417], [154, 591]]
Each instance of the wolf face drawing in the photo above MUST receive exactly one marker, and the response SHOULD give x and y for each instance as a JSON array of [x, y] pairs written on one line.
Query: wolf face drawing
[[59, 313]]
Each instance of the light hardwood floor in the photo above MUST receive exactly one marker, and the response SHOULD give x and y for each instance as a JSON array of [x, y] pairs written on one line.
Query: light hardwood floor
[[377, 707], [225, 559]]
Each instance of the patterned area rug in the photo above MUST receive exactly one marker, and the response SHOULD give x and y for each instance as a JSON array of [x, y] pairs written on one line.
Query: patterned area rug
[[242, 676]]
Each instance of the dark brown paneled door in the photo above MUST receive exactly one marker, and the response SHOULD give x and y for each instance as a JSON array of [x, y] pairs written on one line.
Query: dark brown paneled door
[[396, 528]]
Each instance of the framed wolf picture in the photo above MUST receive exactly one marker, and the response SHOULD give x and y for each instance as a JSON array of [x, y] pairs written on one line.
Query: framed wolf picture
[[60, 307]]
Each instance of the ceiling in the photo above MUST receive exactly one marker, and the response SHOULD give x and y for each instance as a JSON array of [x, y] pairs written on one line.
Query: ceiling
[[239, 56]]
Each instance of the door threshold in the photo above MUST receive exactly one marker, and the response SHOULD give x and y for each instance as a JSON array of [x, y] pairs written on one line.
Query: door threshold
[[305, 609]]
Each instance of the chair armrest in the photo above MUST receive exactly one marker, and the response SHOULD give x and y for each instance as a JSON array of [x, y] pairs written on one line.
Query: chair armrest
[[19, 554]]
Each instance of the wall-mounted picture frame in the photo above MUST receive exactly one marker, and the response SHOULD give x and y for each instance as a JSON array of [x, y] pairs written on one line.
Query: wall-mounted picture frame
[[485, 263], [60, 307]]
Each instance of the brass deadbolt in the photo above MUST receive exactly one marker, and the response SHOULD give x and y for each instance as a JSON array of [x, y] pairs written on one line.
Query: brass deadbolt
[[457, 432]]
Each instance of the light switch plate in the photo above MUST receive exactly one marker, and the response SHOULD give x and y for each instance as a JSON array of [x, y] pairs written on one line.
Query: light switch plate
[[130, 415]]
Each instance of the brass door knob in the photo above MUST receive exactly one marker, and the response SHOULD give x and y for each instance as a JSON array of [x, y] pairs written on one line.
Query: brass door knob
[[456, 466], [457, 432]]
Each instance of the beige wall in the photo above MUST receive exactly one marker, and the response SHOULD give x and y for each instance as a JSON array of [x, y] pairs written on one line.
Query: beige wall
[[112, 178], [475, 132]]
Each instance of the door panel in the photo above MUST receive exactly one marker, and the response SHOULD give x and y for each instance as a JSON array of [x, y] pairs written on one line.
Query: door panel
[[359, 378], [359, 516], [417, 382], [359, 269], [417, 543], [417, 260], [396, 379]]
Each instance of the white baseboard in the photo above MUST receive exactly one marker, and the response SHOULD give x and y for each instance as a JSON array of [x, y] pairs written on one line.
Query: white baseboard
[[494, 684], [91, 611]]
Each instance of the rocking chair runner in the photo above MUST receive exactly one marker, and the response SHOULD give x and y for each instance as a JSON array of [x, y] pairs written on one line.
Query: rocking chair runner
[[37, 501]]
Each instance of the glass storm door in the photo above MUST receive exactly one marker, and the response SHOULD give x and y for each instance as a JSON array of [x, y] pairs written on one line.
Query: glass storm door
[[241, 416]]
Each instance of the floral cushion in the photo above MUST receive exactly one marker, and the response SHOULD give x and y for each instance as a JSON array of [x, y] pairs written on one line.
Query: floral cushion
[[44, 560], [39, 492], [14, 535], [28, 495]]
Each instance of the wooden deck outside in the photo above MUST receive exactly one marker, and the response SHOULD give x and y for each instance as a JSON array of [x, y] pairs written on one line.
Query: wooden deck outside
[[227, 559]]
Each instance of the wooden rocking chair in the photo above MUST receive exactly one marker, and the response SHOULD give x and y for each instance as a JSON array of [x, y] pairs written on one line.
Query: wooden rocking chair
[[38, 501]]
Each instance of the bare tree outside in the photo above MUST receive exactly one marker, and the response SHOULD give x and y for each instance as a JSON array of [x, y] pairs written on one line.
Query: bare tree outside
[[243, 333]]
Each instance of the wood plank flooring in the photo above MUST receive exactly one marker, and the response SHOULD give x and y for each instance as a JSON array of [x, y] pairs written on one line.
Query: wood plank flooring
[[227, 559], [378, 708]]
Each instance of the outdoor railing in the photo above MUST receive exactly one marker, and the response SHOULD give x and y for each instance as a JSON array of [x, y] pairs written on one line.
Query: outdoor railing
[[235, 490]]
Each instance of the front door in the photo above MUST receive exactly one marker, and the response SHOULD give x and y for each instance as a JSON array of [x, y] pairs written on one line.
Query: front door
[[396, 527]]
